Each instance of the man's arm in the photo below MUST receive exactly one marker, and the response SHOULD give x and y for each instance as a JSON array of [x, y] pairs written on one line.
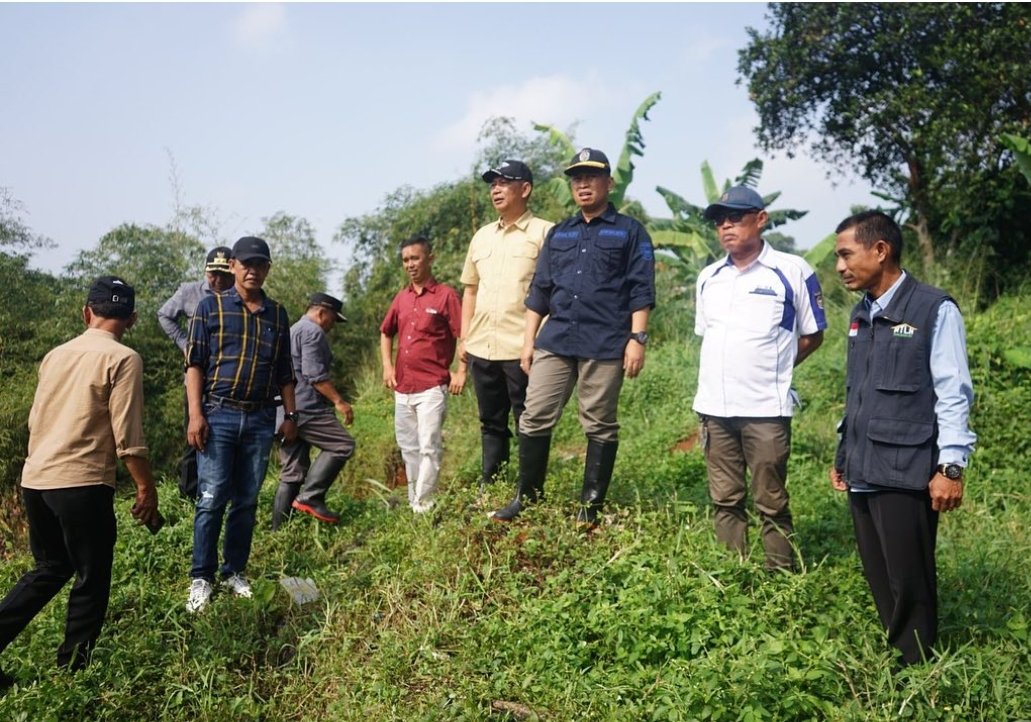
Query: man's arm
[[289, 427], [468, 307], [386, 349], [197, 428], [633, 354], [145, 507], [168, 318], [806, 345], [327, 389], [532, 325]]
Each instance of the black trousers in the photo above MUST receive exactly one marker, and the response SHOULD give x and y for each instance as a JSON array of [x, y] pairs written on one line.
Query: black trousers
[[71, 532], [896, 533], [500, 389]]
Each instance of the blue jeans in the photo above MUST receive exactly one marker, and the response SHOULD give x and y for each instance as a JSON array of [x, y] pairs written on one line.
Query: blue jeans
[[230, 469]]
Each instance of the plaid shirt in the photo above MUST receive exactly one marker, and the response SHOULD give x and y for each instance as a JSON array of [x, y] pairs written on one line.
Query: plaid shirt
[[244, 356]]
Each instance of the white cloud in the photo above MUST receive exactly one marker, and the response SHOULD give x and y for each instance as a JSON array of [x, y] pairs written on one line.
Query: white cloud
[[557, 100], [258, 24]]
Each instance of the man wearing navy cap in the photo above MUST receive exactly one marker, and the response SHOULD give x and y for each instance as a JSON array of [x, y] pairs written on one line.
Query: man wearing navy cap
[[303, 483], [595, 283], [238, 365], [498, 268], [760, 313], [86, 414], [182, 305]]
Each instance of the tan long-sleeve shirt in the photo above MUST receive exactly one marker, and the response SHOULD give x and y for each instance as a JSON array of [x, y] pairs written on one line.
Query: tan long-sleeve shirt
[[87, 412]]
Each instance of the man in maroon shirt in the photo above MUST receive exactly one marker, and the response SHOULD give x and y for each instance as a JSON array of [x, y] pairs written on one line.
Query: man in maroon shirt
[[426, 316]]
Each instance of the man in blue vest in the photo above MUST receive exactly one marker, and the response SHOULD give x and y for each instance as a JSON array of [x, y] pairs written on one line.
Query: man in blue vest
[[905, 439]]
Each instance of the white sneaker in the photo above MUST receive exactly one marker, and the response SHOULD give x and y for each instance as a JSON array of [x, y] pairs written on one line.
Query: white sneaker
[[200, 595], [238, 585]]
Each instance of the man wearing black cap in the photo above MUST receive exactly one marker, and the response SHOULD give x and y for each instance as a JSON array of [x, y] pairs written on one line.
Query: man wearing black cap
[[238, 364], [86, 414], [595, 282], [303, 483], [182, 305], [760, 314], [498, 268]]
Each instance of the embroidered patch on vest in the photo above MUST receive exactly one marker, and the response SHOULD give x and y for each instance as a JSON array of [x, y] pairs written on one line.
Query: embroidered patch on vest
[[903, 330]]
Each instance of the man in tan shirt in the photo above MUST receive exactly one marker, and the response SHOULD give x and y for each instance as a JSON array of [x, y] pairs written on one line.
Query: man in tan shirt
[[498, 269], [88, 410]]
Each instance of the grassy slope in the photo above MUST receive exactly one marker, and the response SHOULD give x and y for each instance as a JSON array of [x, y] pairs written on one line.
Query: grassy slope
[[446, 615]]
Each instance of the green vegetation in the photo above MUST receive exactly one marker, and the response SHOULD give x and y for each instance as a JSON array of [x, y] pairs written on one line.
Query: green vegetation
[[448, 616]]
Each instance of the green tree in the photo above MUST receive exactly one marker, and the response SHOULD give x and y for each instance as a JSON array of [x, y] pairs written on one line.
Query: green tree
[[15, 235], [912, 97], [299, 265]]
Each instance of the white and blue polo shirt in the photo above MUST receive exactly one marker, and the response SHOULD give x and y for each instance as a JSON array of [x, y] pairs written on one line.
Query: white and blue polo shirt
[[750, 320]]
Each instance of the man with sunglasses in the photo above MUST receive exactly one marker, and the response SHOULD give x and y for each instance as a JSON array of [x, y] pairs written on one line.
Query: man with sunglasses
[[238, 365], [760, 313]]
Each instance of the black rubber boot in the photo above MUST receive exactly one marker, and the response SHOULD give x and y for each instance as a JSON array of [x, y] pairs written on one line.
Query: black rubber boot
[[282, 506], [495, 453], [601, 458], [533, 465]]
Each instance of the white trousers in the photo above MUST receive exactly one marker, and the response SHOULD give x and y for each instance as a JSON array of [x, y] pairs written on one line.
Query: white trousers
[[418, 419]]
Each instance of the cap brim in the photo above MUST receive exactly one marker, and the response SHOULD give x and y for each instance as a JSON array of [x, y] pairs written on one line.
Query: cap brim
[[591, 164], [708, 213], [217, 269], [252, 256]]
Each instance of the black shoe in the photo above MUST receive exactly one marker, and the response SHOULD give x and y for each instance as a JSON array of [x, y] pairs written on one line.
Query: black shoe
[[509, 512], [282, 505], [601, 458], [318, 510], [495, 454], [533, 465]]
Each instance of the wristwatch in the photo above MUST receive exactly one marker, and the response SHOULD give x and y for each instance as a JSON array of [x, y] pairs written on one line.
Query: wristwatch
[[951, 471], [292, 416], [640, 336]]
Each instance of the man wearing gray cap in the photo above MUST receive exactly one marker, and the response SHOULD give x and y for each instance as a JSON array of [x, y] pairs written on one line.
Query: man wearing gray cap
[[303, 483], [182, 305], [760, 313], [498, 268], [238, 367], [86, 414]]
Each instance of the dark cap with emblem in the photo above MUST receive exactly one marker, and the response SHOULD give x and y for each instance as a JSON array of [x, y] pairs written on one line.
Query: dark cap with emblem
[[738, 198], [509, 170], [218, 260], [327, 301], [251, 247], [113, 297], [588, 160]]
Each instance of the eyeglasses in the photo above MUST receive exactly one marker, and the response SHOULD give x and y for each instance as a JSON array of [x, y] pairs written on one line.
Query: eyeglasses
[[734, 217]]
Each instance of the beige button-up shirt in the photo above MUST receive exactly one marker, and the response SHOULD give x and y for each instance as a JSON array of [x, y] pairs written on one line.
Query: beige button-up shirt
[[87, 411], [500, 263]]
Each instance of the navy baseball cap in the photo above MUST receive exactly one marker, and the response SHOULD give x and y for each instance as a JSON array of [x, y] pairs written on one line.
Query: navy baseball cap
[[738, 198], [589, 159], [250, 247], [509, 170]]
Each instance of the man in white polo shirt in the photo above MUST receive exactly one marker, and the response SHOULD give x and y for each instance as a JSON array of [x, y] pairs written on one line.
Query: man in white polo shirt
[[497, 273], [760, 313]]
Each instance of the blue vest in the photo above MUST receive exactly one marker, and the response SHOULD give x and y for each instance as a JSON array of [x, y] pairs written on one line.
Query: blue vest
[[890, 429]]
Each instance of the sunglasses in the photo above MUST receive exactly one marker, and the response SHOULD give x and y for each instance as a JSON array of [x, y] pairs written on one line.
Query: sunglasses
[[732, 216]]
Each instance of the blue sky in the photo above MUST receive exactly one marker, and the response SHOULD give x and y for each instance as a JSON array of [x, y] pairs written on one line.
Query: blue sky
[[321, 110]]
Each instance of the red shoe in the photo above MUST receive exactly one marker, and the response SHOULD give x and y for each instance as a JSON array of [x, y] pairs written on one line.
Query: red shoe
[[316, 509]]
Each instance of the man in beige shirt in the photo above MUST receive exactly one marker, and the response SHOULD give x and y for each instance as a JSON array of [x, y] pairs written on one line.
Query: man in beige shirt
[[88, 410], [498, 269]]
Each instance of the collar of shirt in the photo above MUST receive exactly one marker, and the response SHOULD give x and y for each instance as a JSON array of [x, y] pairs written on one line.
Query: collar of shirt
[[876, 306], [608, 215], [521, 222], [761, 258], [233, 295], [99, 332], [429, 287]]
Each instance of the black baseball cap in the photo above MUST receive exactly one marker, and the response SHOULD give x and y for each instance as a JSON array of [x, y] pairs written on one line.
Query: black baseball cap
[[117, 296], [588, 159], [218, 260], [509, 170], [250, 247], [333, 304], [738, 198]]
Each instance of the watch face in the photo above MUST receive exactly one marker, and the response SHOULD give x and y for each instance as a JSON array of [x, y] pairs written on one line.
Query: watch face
[[953, 471]]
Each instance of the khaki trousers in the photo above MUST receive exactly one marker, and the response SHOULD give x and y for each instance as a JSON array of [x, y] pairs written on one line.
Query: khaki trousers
[[552, 378]]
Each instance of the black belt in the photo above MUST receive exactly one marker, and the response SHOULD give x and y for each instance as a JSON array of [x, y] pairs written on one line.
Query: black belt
[[236, 405]]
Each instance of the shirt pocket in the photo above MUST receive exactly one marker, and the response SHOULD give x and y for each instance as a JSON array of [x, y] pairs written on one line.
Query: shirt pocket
[[760, 312], [609, 257], [563, 250], [898, 447], [524, 260]]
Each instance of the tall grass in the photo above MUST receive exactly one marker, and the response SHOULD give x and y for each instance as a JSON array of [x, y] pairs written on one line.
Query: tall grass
[[450, 616]]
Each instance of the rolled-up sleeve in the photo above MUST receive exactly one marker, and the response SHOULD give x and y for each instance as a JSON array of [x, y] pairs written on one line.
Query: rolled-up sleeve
[[641, 270], [198, 348], [315, 358], [126, 405]]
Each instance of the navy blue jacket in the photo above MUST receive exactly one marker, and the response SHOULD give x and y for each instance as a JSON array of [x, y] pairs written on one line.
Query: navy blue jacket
[[590, 278]]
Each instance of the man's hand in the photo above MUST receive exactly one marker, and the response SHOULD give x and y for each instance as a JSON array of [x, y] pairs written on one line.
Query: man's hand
[[197, 432], [946, 493], [145, 507], [526, 358], [462, 355], [633, 358], [344, 409], [389, 378], [838, 480], [457, 382], [288, 430]]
